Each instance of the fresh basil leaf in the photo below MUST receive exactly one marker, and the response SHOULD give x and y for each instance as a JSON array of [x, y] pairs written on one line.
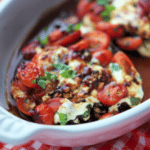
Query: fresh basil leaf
[[115, 67], [108, 10], [49, 76], [45, 29], [69, 28], [86, 113], [61, 66], [135, 100], [43, 42], [62, 118], [78, 26], [68, 73], [103, 2], [41, 81]]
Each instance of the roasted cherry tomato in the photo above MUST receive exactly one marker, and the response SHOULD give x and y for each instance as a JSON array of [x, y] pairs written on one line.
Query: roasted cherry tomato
[[108, 115], [28, 72], [125, 63], [82, 8], [19, 85], [26, 106], [129, 43], [95, 18], [54, 103], [98, 39], [79, 46], [113, 30], [112, 93], [104, 56], [55, 35], [145, 5], [44, 114], [69, 39], [29, 50]]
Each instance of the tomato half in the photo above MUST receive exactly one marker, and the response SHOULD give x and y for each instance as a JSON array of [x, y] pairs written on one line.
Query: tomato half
[[98, 39], [104, 56], [145, 5], [29, 50], [112, 93], [129, 43], [82, 8], [54, 103], [108, 115], [125, 63], [113, 30], [79, 46], [28, 72], [69, 39], [55, 35], [44, 114], [25, 106]]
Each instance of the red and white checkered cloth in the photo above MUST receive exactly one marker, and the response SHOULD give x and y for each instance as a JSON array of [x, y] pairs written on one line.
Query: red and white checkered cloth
[[138, 139]]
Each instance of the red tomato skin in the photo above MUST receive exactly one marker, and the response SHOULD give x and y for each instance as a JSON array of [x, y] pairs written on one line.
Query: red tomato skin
[[44, 114], [54, 103], [108, 115], [145, 4], [113, 30], [79, 46], [28, 72], [125, 63], [82, 8], [112, 93], [104, 56], [29, 50], [98, 39], [129, 43], [68, 39], [55, 35], [21, 106]]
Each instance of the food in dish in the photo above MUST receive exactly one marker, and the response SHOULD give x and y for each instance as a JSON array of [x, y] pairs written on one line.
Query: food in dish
[[72, 76]]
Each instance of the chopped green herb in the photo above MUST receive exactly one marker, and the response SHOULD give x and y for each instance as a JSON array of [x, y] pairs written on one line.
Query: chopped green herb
[[45, 29], [78, 26], [68, 73], [65, 71], [41, 81], [86, 113], [69, 28], [106, 14], [135, 100], [62, 118], [115, 67], [43, 42], [61, 66], [103, 2]]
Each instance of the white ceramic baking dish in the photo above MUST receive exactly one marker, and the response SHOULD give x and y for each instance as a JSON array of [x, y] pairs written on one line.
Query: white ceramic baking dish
[[16, 19]]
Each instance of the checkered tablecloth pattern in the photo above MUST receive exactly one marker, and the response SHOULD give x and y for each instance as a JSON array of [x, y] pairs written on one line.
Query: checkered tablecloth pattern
[[138, 139]]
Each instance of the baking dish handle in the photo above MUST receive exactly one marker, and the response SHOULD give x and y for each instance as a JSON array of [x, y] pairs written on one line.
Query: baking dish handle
[[15, 130]]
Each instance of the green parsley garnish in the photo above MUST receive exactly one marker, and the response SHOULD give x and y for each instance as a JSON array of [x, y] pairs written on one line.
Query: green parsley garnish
[[62, 118], [41, 81], [78, 26], [65, 71], [69, 28], [115, 67], [87, 113], [103, 2], [43, 42], [135, 100], [108, 10]]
